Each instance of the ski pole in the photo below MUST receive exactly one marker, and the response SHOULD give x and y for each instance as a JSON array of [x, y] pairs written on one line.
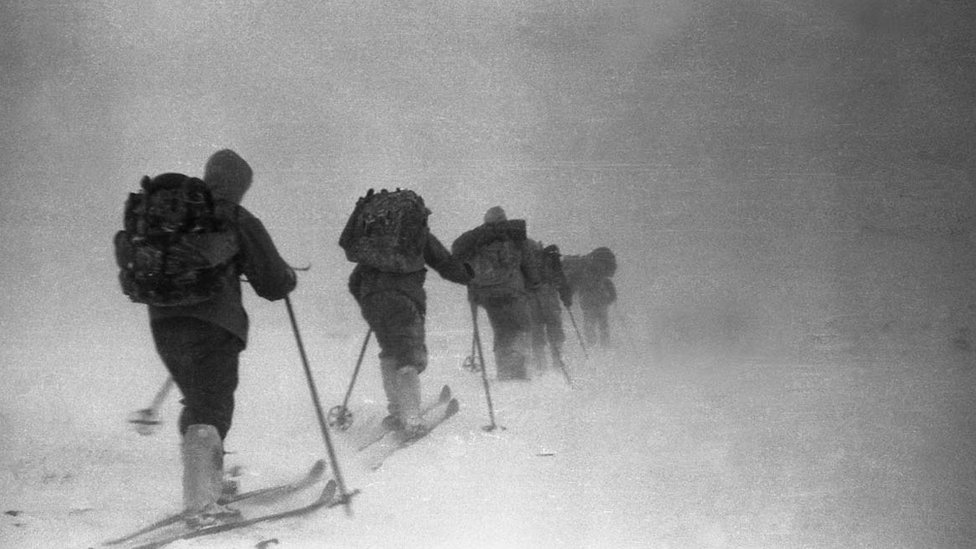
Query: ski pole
[[147, 419], [344, 495], [484, 374], [578, 336], [470, 362], [340, 416], [562, 367]]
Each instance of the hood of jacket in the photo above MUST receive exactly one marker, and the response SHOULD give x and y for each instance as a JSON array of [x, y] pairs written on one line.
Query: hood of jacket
[[227, 175], [495, 214]]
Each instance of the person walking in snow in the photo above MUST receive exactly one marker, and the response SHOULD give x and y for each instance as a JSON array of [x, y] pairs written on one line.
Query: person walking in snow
[[544, 300], [388, 238], [504, 271], [200, 343], [590, 277]]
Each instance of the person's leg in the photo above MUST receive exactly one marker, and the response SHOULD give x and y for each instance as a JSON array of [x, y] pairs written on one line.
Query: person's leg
[[538, 329], [510, 320], [555, 334], [604, 327], [590, 322], [399, 327], [203, 360]]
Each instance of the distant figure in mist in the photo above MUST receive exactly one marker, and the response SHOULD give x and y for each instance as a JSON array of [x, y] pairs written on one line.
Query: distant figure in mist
[[199, 332], [590, 278], [504, 271], [544, 300], [388, 238]]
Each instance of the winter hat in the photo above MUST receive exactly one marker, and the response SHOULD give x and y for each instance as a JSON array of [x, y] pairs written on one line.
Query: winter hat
[[495, 214], [227, 175]]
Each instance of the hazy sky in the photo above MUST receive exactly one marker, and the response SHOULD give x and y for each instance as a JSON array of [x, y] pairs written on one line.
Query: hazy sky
[[741, 126]]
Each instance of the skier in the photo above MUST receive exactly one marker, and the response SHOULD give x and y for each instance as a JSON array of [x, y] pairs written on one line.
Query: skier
[[590, 277], [200, 344], [504, 271], [547, 321], [388, 238]]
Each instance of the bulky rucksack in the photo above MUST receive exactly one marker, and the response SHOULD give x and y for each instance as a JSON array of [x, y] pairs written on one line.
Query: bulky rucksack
[[174, 249], [603, 262], [496, 264], [387, 231]]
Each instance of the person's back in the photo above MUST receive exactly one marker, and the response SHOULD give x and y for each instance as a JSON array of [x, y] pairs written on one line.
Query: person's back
[[503, 270], [594, 285], [547, 326], [228, 176], [390, 293], [200, 343]]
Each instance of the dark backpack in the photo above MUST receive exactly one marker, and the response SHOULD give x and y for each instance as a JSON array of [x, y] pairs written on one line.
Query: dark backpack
[[387, 231], [174, 249], [494, 252], [496, 264]]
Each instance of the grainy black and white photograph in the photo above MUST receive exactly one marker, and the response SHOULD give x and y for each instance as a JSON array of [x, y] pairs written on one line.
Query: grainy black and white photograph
[[488, 274]]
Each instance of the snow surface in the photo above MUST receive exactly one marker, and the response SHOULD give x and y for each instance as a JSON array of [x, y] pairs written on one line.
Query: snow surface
[[788, 187], [651, 449]]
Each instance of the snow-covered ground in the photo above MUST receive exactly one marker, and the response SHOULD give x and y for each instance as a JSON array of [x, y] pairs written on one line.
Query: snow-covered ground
[[788, 187], [680, 437]]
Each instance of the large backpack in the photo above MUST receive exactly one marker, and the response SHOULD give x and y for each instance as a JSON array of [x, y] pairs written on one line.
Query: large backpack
[[603, 262], [496, 265], [174, 249], [388, 231]]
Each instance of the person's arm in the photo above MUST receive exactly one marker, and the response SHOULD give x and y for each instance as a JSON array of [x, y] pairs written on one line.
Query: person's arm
[[270, 276], [531, 268], [356, 282], [441, 260], [560, 282], [465, 246], [611, 290]]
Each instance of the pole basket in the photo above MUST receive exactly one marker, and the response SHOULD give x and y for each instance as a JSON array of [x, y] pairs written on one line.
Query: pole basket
[[471, 364], [340, 418]]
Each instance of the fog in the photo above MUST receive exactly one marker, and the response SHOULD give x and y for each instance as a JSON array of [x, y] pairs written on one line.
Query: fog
[[755, 129], [787, 179]]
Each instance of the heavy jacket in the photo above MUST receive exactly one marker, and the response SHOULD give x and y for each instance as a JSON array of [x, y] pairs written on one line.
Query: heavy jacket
[[228, 177], [590, 279], [511, 232], [551, 273], [366, 280]]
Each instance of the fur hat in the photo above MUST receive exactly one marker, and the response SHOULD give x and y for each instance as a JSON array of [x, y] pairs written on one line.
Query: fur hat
[[228, 175], [495, 214]]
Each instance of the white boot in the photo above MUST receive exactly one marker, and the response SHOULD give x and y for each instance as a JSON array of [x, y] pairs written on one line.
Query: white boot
[[388, 369], [203, 464], [408, 400]]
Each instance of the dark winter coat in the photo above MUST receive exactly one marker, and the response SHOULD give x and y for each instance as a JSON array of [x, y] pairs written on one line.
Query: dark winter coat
[[228, 176], [467, 246], [588, 280], [366, 280], [551, 271]]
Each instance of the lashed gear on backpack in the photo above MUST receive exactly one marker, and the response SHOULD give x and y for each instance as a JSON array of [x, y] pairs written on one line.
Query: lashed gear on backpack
[[496, 264], [388, 231], [174, 249]]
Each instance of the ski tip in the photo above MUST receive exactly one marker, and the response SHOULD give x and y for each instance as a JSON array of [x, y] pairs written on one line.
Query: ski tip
[[329, 493], [318, 468], [452, 407], [445, 393]]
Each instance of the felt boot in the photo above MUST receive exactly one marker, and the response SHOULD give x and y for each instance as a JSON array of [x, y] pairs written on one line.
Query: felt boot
[[203, 463]]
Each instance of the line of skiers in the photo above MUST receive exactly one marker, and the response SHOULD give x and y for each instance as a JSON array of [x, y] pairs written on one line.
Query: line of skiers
[[187, 242]]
